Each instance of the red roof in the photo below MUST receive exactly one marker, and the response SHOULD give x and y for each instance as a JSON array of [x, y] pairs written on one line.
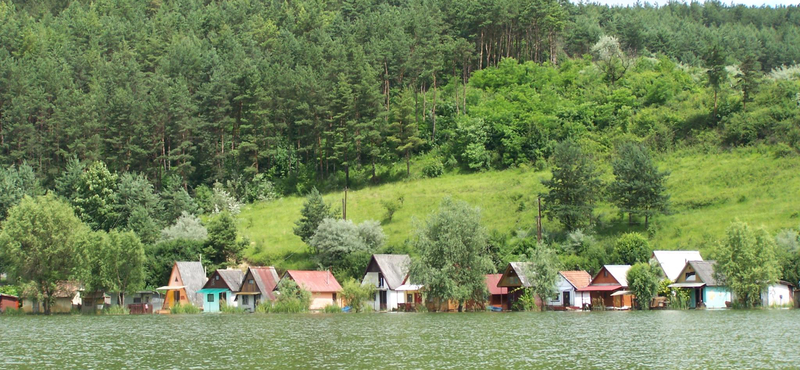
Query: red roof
[[600, 288], [578, 279], [268, 278], [315, 281], [491, 283]]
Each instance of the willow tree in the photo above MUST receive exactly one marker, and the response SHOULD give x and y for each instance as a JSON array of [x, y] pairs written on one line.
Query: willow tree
[[746, 262], [452, 255]]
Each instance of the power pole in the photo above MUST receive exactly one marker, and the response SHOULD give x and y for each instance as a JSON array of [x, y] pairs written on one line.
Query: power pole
[[539, 220], [344, 204]]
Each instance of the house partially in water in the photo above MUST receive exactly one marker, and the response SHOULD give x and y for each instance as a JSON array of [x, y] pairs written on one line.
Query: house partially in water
[[186, 278], [8, 301], [778, 294], [610, 287], [704, 289], [672, 262], [221, 286], [515, 279], [498, 296], [257, 287], [567, 290], [388, 273], [67, 298], [322, 285]]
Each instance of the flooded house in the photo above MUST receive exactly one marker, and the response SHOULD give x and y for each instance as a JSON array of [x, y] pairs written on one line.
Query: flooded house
[[145, 301], [567, 290], [257, 287], [704, 289], [498, 296], [186, 278], [8, 301], [322, 285], [610, 287], [388, 273], [221, 288], [515, 279], [67, 298], [672, 262], [779, 294]]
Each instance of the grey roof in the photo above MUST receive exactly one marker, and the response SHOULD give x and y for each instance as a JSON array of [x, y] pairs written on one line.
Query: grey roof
[[704, 271], [523, 269], [672, 262], [233, 278], [193, 276], [394, 268]]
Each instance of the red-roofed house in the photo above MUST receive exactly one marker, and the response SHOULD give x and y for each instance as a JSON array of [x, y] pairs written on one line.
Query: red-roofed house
[[567, 286], [497, 295], [257, 287], [323, 286]]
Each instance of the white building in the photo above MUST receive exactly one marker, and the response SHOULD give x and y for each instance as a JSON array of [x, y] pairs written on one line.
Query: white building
[[388, 273], [567, 287], [672, 262], [778, 295]]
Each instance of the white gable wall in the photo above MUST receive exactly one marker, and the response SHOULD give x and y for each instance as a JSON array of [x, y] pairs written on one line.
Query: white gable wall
[[777, 295], [576, 299]]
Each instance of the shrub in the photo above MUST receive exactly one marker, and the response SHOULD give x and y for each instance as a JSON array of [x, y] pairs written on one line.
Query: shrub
[[433, 169], [224, 308], [14, 311], [526, 302], [187, 226], [356, 294], [116, 311], [332, 308], [391, 207], [179, 309], [260, 189]]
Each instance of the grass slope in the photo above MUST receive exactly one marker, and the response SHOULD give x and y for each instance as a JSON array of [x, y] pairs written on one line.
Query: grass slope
[[708, 192]]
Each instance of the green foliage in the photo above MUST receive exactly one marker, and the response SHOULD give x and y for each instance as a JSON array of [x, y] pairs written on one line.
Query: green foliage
[[345, 247], [118, 310], [574, 187], [452, 258], [291, 298], [433, 169], [96, 197], [643, 282], [632, 248], [222, 247], [526, 301], [680, 299], [225, 309], [14, 311], [332, 308], [139, 208], [356, 295], [17, 182], [746, 263], [314, 211], [44, 243], [260, 189], [182, 309], [117, 263], [405, 136], [162, 256], [187, 227], [639, 187], [391, 206], [175, 200], [10, 290], [542, 270]]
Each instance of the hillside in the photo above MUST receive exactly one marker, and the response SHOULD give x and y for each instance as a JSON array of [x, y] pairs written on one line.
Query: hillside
[[708, 192]]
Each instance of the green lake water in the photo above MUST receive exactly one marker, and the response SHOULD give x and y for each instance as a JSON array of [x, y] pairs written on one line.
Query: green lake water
[[601, 340]]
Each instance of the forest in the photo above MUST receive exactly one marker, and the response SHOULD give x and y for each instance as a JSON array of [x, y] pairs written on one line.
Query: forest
[[163, 118]]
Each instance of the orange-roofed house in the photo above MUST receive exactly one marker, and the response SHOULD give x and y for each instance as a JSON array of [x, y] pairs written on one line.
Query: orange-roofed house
[[322, 285], [567, 294]]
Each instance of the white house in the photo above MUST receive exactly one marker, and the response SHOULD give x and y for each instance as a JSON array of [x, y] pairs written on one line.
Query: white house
[[672, 262], [388, 273], [778, 295], [567, 287]]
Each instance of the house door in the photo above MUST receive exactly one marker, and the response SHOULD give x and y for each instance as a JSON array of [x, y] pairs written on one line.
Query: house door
[[176, 297], [383, 300], [565, 299]]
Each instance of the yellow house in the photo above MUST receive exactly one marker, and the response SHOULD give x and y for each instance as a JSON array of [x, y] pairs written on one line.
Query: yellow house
[[186, 279]]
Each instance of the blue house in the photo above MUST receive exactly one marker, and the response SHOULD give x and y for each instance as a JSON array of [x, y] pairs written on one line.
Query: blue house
[[704, 290], [221, 286]]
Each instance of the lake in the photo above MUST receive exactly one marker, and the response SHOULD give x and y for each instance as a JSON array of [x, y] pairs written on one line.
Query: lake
[[603, 340]]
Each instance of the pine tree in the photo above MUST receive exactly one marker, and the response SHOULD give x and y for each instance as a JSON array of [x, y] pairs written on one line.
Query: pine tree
[[404, 131], [574, 187], [639, 187]]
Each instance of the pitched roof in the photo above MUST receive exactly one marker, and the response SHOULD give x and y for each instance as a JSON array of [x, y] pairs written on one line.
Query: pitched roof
[[523, 269], [672, 262], [266, 279], [233, 278], [704, 271], [491, 283], [315, 281], [619, 272], [394, 268], [193, 276], [578, 279]]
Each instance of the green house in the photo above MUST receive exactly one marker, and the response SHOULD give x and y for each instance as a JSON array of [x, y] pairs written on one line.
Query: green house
[[221, 287]]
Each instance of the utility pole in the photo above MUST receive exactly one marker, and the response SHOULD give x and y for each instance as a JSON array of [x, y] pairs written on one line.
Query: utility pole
[[344, 204], [539, 220]]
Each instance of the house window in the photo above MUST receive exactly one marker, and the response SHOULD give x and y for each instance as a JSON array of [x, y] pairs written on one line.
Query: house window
[[250, 281], [176, 279], [137, 300], [210, 298], [334, 297], [690, 276], [245, 300], [409, 298], [381, 281], [605, 273], [216, 277]]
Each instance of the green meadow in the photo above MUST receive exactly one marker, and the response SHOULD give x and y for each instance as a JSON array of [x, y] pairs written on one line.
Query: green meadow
[[708, 191]]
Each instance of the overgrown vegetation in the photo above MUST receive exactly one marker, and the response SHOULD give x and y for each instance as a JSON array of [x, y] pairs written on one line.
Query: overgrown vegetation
[[180, 309], [356, 295]]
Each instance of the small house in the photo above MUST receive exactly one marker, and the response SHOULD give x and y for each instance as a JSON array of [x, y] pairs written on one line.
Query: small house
[[672, 262], [66, 298], [778, 294], [609, 287], [186, 278], [8, 301], [515, 279], [221, 286], [498, 296], [388, 272], [322, 285], [94, 301], [141, 302], [257, 287], [704, 290], [567, 286]]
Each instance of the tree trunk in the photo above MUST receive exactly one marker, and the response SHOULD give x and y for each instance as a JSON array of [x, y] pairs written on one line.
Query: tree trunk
[[433, 113], [408, 163], [715, 105]]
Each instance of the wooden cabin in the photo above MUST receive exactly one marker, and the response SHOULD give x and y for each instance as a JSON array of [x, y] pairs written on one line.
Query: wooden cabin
[[186, 278], [515, 280], [610, 286], [221, 286], [92, 302], [498, 296], [388, 272], [257, 287], [704, 289], [567, 294], [322, 285], [67, 298], [8, 301]]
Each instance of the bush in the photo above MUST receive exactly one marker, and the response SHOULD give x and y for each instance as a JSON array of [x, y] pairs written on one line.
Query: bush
[[260, 189], [116, 311], [356, 294], [224, 308], [180, 309], [332, 308], [14, 311], [391, 207], [526, 302], [433, 169], [291, 299]]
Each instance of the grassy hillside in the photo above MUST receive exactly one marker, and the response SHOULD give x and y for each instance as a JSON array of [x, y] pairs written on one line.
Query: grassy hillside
[[708, 192]]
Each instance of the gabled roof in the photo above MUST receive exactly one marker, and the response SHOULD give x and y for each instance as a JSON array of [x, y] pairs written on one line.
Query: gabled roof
[[578, 279], [619, 272], [266, 278], [315, 281], [672, 262], [233, 278], [394, 268], [523, 269], [491, 283], [193, 276], [704, 270]]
